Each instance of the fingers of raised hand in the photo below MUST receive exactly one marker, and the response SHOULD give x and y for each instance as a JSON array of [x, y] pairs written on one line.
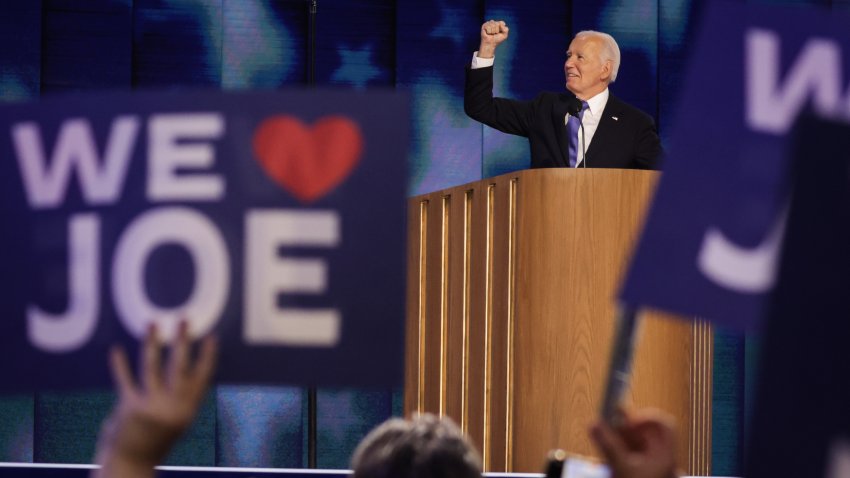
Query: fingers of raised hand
[[119, 366], [187, 378], [180, 379], [178, 364], [206, 361], [150, 361]]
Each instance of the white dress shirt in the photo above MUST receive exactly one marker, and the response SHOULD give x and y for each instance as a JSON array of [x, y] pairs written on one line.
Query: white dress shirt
[[589, 121]]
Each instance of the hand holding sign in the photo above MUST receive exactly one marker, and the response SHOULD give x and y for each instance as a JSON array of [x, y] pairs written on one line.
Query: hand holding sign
[[153, 413], [643, 446]]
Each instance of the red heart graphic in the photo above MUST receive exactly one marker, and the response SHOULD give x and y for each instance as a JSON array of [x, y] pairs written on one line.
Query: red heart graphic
[[308, 162]]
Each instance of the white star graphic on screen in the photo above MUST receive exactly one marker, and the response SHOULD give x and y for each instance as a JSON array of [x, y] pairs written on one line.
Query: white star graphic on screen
[[453, 24], [356, 67]]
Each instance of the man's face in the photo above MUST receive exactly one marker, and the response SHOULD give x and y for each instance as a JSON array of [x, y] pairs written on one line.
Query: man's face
[[587, 75]]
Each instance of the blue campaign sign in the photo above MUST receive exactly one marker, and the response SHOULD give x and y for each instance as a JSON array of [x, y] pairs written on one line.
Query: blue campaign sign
[[715, 229], [274, 219], [800, 408]]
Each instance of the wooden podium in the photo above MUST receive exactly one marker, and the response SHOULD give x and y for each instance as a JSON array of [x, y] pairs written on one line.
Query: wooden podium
[[510, 315]]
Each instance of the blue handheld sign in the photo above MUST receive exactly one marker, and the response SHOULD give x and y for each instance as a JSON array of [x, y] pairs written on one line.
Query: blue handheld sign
[[275, 220], [715, 230]]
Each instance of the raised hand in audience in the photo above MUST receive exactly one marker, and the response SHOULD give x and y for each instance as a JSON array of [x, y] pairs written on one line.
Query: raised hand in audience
[[153, 412]]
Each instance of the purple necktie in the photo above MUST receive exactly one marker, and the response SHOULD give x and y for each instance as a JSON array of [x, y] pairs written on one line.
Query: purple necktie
[[572, 123]]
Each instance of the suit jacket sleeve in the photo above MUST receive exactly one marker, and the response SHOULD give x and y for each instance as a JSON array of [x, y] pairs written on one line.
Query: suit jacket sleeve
[[648, 151], [507, 116]]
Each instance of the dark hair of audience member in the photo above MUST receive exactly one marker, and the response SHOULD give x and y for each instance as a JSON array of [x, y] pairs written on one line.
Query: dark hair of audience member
[[424, 447]]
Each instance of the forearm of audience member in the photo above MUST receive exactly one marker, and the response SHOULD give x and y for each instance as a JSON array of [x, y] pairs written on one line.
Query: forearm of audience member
[[112, 464]]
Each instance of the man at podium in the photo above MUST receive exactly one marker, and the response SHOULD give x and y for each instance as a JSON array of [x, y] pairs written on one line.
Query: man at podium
[[583, 127]]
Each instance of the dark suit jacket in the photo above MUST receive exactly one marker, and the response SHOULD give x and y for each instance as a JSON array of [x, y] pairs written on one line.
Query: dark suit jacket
[[630, 141]]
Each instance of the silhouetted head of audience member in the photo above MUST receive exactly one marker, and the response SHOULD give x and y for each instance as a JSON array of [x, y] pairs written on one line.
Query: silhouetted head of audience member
[[423, 447]]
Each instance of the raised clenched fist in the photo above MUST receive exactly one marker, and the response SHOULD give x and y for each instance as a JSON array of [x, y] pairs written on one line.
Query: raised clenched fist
[[493, 32]]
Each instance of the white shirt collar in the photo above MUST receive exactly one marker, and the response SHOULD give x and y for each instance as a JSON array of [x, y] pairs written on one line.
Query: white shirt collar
[[597, 103]]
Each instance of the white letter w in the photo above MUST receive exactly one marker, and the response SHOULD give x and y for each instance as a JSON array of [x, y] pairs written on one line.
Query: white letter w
[[46, 184], [771, 106]]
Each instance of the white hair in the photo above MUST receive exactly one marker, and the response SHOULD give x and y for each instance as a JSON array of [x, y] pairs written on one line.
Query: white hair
[[610, 50]]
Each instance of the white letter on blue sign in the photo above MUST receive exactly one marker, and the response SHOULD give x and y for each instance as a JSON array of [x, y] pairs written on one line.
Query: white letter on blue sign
[[267, 275], [71, 330], [184, 227], [750, 271], [771, 106], [838, 463], [168, 153], [75, 149]]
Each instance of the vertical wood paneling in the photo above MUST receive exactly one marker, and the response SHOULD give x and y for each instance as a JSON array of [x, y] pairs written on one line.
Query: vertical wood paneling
[[535, 345], [432, 346], [416, 239], [699, 457], [467, 268], [487, 409], [477, 314], [500, 313], [511, 324], [445, 259], [456, 294]]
